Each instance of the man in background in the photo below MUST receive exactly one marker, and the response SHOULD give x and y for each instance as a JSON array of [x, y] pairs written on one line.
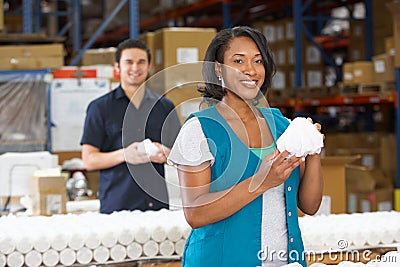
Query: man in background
[[116, 124]]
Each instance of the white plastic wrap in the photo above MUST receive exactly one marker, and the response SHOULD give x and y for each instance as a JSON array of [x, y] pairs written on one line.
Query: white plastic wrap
[[23, 117]]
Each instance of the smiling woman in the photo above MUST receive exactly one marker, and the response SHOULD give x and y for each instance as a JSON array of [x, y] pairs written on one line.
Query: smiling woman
[[241, 194]]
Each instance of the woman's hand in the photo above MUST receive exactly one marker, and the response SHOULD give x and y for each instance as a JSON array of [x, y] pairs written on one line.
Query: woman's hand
[[162, 154], [274, 171]]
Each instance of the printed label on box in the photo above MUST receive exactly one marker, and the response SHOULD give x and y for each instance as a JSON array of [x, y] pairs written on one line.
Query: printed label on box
[[158, 58], [379, 66], [385, 206], [365, 205], [187, 55], [352, 203]]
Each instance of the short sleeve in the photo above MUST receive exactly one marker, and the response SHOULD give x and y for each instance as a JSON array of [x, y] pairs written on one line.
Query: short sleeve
[[191, 146], [93, 129]]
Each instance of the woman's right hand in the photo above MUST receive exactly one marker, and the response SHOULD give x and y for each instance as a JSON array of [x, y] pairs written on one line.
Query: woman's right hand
[[274, 171]]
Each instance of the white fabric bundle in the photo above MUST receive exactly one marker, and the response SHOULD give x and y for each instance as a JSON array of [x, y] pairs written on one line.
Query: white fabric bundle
[[301, 138]]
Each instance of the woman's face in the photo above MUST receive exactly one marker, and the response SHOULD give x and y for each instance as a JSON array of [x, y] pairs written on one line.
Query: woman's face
[[243, 70]]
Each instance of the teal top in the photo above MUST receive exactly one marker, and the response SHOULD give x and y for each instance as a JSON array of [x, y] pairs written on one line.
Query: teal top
[[237, 239], [264, 151]]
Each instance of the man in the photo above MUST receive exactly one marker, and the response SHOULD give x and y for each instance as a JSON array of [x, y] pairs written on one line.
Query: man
[[115, 125]]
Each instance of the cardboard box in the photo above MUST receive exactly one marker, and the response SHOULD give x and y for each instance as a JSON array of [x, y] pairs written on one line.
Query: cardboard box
[[375, 200], [49, 195], [28, 57], [99, 56], [389, 45], [357, 30], [384, 68], [394, 8], [366, 145], [388, 157], [186, 100], [333, 170], [1, 15], [314, 77], [180, 45], [368, 189], [348, 77], [31, 63], [363, 72], [42, 50], [356, 51], [284, 78], [268, 29], [148, 39], [362, 179]]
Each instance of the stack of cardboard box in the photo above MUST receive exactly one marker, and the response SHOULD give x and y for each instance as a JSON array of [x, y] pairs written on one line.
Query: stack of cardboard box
[[31, 57]]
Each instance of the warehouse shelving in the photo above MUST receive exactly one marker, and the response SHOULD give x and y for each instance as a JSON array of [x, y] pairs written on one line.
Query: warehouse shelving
[[234, 12], [27, 82]]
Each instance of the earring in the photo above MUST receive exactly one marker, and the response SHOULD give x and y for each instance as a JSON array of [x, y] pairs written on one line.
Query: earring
[[219, 78]]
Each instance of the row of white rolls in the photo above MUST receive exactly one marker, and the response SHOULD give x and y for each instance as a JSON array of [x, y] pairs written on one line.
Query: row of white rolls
[[98, 238], [91, 238], [350, 231]]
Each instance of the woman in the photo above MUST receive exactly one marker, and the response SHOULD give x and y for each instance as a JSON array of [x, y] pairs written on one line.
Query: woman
[[240, 194]]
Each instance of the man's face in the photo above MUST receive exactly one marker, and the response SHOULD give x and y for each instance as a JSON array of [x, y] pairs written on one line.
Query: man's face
[[133, 67]]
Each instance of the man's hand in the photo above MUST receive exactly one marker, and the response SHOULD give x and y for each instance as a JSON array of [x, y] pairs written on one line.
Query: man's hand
[[133, 156]]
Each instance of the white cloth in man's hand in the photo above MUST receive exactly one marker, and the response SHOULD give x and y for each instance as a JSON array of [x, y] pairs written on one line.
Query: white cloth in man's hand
[[301, 138]]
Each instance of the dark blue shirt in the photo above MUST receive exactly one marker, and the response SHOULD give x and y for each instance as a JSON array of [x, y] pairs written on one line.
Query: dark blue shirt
[[113, 122]]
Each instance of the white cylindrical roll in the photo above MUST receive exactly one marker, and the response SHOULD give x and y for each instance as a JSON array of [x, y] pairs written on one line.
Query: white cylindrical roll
[[134, 250], [23, 245], [33, 258], [150, 248], [15, 259], [167, 248], [101, 254], [108, 239], [125, 237], [92, 240], [3, 260], [59, 242], [186, 231], [158, 234], [373, 263], [76, 241], [174, 233], [142, 235], [118, 253], [373, 238], [7, 245], [84, 255], [179, 246], [386, 237], [67, 256], [357, 238], [51, 257], [41, 243]]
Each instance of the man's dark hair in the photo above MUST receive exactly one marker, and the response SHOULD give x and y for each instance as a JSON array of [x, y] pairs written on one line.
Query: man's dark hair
[[131, 43]]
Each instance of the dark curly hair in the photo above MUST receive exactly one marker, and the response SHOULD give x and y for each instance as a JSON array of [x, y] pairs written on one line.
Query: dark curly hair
[[131, 43], [213, 91]]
